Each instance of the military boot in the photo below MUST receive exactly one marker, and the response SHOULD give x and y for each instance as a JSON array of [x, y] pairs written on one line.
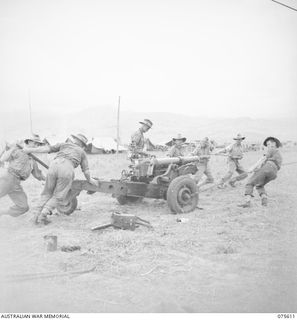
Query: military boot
[[42, 219], [246, 204], [264, 201], [221, 185], [232, 183]]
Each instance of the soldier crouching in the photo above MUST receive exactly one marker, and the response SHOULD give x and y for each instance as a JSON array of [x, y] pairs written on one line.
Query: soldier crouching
[[265, 170], [20, 167], [60, 175]]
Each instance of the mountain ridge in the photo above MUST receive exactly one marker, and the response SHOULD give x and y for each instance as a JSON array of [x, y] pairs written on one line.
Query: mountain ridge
[[101, 121]]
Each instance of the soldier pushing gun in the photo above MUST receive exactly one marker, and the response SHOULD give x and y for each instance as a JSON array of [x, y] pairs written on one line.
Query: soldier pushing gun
[[20, 167], [60, 175]]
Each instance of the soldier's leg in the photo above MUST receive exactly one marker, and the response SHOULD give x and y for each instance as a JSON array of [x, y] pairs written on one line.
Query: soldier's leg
[[20, 200], [6, 182], [241, 171], [269, 175], [44, 198], [47, 193], [65, 176], [208, 174], [231, 170], [242, 174], [6, 185], [201, 170], [256, 179]]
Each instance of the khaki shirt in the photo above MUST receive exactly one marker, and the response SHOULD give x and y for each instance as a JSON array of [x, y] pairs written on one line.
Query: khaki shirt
[[235, 151], [175, 151], [203, 151], [275, 157], [137, 142], [72, 152], [22, 165]]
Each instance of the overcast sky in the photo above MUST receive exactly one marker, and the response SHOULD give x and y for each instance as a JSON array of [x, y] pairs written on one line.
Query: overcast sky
[[216, 58]]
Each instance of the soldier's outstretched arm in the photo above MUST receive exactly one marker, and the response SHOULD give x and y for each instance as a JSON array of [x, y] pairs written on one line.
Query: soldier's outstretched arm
[[88, 177], [257, 165], [7, 155], [170, 152], [43, 149], [85, 169], [196, 151], [37, 173], [224, 150]]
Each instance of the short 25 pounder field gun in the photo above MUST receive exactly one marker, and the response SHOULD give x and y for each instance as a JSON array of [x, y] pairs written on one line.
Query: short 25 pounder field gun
[[157, 178]]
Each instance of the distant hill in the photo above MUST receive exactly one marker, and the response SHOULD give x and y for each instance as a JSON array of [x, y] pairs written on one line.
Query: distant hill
[[101, 121]]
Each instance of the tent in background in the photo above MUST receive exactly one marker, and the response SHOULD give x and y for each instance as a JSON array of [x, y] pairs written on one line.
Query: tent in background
[[101, 145]]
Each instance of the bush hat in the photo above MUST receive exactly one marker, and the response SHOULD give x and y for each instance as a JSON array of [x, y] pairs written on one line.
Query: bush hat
[[277, 142], [34, 139], [81, 138], [179, 137], [239, 137], [147, 122]]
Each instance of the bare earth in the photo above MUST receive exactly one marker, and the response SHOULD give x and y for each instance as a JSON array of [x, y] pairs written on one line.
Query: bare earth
[[223, 259]]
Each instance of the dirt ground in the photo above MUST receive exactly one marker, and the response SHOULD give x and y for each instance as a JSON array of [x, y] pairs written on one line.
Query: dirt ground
[[223, 259]]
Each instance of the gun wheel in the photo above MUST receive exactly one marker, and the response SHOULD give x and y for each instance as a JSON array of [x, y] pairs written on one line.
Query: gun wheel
[[69, 207], [128, 199], [182, 195]]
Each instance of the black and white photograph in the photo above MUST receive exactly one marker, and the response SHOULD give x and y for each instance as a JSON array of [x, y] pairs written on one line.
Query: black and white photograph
[[148, 158]]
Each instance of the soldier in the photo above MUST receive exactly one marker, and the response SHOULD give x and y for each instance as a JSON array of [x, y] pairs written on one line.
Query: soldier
[[61, 174], [3, 148], [235, 153], [203, 150], [176, 149], [137, 139], [264, 170], [20, 166]]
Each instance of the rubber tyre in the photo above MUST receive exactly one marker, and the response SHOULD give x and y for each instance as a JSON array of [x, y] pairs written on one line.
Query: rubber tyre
[[181, 187], [122, 200], [69, 208]]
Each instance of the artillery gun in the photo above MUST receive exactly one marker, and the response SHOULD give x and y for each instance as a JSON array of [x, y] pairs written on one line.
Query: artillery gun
[[157, 178]]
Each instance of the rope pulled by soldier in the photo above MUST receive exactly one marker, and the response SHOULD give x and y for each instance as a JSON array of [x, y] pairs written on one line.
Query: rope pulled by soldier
[[264, 171], [234, 153]]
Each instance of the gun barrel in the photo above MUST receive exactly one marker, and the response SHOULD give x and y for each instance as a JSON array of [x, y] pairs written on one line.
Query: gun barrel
[[175, 160]]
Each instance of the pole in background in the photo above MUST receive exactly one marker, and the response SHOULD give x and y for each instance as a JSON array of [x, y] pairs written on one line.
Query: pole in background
[[118, 124], [282, 4], [30, 112]]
